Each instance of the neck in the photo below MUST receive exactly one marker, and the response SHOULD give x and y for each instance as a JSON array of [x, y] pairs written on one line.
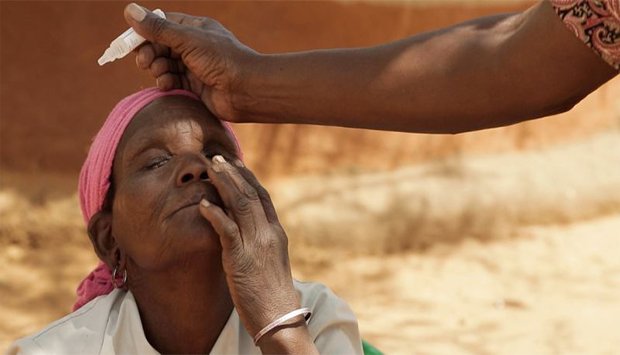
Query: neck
[[183, 309]]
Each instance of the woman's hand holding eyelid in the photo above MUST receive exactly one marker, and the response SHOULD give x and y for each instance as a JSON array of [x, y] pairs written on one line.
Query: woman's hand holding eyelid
[[254, 249]]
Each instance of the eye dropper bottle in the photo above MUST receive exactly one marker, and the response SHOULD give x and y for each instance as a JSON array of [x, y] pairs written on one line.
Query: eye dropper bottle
[[125, 43]]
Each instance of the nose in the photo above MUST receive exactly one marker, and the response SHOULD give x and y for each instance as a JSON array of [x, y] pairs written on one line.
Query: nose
[[191, 169]]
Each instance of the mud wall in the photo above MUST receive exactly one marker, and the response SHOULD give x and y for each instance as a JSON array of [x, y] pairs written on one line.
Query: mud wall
[[54, 96]]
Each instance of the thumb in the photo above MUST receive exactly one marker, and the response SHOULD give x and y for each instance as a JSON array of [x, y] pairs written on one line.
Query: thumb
[[152, 27]]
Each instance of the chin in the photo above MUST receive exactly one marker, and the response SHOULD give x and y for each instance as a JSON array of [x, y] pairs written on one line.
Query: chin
[[194, 227]]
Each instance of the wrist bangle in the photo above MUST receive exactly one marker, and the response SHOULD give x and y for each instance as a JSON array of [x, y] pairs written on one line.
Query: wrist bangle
[[305, 311]]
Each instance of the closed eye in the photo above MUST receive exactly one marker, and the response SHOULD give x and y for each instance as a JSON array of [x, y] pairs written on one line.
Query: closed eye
[[157, 163]]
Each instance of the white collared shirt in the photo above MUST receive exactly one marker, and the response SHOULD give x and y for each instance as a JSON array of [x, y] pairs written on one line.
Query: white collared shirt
[[111, 324]]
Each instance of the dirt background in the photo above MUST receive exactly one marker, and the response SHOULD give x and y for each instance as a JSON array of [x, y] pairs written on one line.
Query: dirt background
[[501, 241]]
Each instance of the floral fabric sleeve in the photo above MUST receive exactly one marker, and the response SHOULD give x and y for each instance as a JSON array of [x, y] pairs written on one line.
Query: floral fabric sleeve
[[596, 23]]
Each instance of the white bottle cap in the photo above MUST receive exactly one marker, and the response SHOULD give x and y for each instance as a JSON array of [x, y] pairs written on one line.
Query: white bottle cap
[[107, 57]]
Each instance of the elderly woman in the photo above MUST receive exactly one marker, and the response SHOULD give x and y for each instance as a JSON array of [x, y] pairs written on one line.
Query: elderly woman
[[194, 259]]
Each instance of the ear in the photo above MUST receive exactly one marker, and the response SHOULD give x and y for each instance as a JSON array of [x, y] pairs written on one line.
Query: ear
[[100, 234]]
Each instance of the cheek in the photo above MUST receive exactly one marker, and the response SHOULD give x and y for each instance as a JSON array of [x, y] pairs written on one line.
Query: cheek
[[136, 212], [137, 230], [141, 195], [132, 204]]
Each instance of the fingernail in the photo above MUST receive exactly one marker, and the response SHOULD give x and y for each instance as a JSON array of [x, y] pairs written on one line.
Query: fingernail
[[239, 163], [136, 12], [204, 203], [218, 162], [219, 159]]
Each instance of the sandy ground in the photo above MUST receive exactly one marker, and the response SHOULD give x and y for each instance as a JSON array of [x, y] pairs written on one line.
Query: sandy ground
[[544, 278], [550, 290]]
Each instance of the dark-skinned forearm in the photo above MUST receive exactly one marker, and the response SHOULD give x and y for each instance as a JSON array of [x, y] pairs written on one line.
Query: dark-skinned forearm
[[489, 72]]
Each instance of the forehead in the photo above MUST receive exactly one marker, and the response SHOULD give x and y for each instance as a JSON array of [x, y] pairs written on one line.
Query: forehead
[[167, 111], [166, 115]]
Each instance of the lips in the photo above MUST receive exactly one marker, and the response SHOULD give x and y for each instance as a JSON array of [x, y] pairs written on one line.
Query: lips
[[209, 193]]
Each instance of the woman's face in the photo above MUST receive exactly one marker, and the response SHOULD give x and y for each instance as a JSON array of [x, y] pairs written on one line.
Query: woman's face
[[159, 178]]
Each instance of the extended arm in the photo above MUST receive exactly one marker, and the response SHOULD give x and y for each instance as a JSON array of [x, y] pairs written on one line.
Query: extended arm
[[488, 72]]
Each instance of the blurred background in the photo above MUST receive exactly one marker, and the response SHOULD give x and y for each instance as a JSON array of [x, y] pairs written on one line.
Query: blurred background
[[503, 241]]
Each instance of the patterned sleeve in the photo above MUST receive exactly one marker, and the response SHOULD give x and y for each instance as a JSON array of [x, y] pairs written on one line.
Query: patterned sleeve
[[596, 23]]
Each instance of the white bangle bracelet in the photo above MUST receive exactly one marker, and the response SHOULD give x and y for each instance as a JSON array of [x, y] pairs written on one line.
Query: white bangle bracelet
[[305, 311]]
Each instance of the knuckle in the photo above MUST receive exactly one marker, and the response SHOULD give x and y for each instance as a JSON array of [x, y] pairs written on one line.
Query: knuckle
[[281, 234], [249, 192], [285, 243], [268, 247], [201, 22], [141, 58], [245, 187], [272, 244], [159, 66], [206, 22], [231, 229], [273, 241], [282, 241], [245, 267], [158, 26], [241, 204]]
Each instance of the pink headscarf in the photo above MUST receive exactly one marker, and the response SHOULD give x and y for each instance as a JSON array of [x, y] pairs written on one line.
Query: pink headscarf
[[94, 180]]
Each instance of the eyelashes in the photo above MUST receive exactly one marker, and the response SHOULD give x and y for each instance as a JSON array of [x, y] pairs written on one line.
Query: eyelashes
[[157, 163], [160, 161]]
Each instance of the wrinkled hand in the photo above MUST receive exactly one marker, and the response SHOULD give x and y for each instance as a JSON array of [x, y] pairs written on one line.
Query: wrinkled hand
[[254, 247], [192, 53]]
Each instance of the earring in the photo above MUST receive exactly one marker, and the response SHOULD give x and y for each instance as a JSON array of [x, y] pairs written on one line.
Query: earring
[[114, 279]]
